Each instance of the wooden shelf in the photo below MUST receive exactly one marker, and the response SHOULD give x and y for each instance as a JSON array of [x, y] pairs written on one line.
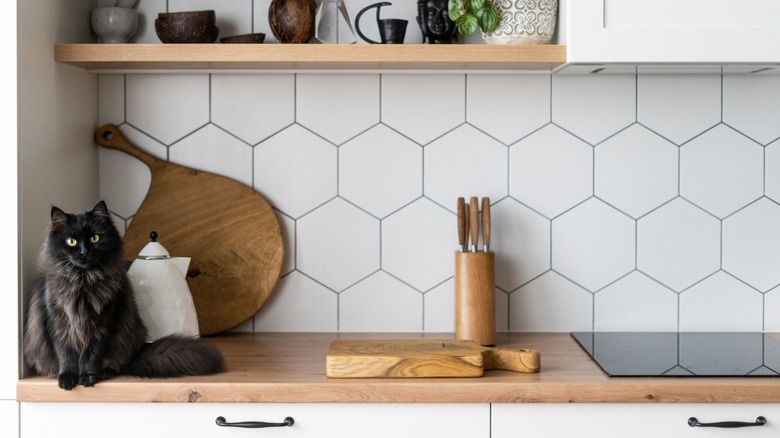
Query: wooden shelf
[[129, 57]]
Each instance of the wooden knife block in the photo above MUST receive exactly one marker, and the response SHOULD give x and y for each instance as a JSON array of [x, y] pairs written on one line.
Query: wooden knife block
[[475, 297]]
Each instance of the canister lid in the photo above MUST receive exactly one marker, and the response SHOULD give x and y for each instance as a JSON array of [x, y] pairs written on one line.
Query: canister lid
[[153, 250]]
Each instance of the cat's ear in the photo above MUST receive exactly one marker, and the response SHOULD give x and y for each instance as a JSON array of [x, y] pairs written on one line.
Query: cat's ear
[[58, 217], [101, 208]]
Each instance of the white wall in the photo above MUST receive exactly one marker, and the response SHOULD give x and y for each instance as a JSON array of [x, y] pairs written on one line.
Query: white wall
[[57, 116]]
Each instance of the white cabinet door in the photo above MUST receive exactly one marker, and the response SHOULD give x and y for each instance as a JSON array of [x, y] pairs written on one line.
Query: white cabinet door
[[9, 418], [133, 420], [673, 31], [630, 420]]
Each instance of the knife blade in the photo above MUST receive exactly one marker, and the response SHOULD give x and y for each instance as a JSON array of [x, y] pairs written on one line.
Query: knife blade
[[474, 223], [486, 224]]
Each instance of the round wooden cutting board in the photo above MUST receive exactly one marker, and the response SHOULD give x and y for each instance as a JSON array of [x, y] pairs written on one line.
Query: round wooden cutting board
[[229, 230]]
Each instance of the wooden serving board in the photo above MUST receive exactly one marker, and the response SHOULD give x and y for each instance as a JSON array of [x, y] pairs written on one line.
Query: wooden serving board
[[424, 358], [229, 230]]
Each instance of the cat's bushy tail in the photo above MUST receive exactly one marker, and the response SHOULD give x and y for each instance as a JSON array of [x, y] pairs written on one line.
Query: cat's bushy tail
[[174, 356]]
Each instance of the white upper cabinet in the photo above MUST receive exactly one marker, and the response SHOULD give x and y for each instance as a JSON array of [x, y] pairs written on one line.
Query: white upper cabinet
[[673, 31]]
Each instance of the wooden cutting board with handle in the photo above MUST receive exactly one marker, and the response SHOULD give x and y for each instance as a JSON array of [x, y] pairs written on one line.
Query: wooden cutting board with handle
[[424, 358], [229, 230]]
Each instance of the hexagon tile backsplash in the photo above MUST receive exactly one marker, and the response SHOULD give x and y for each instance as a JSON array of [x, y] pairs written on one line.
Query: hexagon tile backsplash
[[620, 202]]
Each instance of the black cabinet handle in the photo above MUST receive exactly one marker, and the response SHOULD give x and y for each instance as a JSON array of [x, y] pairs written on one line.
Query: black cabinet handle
[[254, 424], [760, 421]]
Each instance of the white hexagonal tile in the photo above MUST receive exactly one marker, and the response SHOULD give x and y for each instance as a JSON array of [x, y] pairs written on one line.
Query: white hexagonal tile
[[772, 311], [380, 303], [465, 162], [299, 304], [772, 169], [123, 180], [750, 104], [288, 227], [502, 310], [167, 107], [751, 244], [111, 98], [721, 303], [550, 304], [380, 171], [214, 150], [357, 110], [423, 106], [593, 107], [521, 240], [295, 170], [143, 141], [147, 13], [337, 244], [721, 171], [593, 244], [678, 106], [635, 302], [419, 244], [252, 107], [636, 171], [508, 107], [551, 171], [233, 18], [439, 308], [678, 244], [260, 20]]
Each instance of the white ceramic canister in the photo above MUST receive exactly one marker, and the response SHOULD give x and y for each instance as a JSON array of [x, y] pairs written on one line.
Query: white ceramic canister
[[161, 292]]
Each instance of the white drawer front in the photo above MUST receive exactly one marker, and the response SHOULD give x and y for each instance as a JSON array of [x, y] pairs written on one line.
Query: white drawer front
[[630, 420], [167, 420]]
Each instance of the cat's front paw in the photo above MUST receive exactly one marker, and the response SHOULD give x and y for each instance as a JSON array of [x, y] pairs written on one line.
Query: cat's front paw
[[89, 379], [68, 380]]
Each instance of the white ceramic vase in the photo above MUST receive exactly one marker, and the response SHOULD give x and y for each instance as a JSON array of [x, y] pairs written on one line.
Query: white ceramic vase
[[524, 22], [114, 25]]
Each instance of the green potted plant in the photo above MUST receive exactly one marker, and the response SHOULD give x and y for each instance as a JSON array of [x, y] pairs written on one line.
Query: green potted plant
[[469, 15]]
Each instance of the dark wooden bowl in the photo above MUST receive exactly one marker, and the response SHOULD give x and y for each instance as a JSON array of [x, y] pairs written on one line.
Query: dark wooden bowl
[[249, 38], [187, 27]]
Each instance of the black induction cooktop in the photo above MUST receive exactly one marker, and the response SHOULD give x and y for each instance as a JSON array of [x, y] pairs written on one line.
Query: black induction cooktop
[[683, 354]]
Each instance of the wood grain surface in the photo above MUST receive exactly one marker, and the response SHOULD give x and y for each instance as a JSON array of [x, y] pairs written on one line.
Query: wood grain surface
[[475, 297], [423, 358], [312, 56], [228, 229], [290, 368]]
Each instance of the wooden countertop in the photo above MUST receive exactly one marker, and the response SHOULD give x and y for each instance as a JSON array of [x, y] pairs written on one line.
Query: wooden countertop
[[290, 368]]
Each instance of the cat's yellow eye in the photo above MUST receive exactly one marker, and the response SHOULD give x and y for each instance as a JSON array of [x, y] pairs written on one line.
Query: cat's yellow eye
[[71, 241], [94, 239]]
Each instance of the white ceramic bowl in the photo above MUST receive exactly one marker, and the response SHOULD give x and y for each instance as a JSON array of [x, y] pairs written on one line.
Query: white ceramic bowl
[[114, 25]]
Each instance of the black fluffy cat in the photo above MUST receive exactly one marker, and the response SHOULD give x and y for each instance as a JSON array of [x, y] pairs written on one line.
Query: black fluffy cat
[[83, 324]]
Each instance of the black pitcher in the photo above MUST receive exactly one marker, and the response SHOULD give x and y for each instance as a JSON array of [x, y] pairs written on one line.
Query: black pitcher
[[391, 30]]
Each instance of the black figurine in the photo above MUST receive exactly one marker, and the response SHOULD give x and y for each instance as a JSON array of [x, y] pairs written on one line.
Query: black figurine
[[435, 23]]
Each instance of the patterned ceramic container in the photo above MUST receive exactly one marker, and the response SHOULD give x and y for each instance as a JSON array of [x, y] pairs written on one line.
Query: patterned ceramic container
[[524, 22]]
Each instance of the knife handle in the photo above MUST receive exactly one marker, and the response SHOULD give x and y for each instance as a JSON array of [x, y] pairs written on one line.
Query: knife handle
[[474, 222], [467, 216], [462, 224], [486, 223]]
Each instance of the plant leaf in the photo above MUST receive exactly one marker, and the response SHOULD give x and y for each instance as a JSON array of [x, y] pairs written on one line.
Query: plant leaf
[[455, 9], [467, 24], [488, 17], [475, 5]]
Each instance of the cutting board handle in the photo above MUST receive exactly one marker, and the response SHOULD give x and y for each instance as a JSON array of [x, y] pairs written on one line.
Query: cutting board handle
[[511, 359], [109, 136]]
